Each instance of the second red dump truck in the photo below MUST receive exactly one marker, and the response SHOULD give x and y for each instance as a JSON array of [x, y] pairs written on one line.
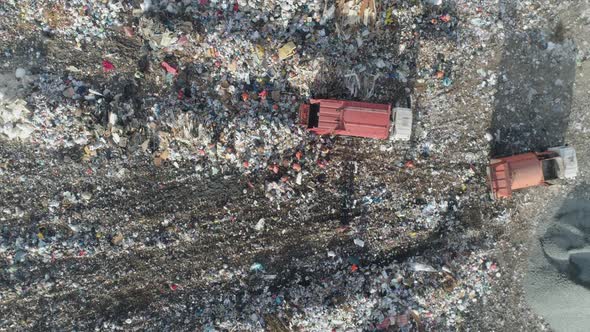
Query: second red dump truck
[[507, 174]]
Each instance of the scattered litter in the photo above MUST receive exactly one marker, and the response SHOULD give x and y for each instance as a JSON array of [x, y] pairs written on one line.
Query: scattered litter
[[287, 50], [190, 148], [259, 225], [169, 68], [256, 267], [107, 66], [419, 267], [20, 73]]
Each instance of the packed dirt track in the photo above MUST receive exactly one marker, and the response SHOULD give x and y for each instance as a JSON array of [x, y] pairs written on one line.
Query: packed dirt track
[[155, 228]]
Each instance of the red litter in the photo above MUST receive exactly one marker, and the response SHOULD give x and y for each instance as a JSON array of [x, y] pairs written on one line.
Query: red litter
[[274, 168], [128, 31], [182, 40], [402, 320], [169, 68], [445, 18], [384, 324], [107, 66]]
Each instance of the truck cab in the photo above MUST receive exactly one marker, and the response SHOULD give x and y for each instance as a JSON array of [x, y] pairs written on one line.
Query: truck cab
[[402, 124]]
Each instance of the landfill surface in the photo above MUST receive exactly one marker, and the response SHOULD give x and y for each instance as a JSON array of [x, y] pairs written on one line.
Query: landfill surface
[[154, 176]]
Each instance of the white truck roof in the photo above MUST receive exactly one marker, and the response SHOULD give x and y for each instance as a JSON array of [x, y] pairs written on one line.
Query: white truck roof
[[402, 129], [570, 161]]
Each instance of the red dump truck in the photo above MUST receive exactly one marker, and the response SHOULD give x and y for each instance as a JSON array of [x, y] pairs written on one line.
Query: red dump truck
[[353, 118], [507, 174]]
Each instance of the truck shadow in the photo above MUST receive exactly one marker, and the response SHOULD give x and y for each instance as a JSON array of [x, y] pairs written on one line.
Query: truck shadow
[[565, 243], [534, 92]]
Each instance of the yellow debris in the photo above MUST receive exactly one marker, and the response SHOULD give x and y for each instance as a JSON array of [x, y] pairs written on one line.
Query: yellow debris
[[88, 153], [388, 17], [259, 52], [233, 66], [211, 52], [287, 50], [165, 154]]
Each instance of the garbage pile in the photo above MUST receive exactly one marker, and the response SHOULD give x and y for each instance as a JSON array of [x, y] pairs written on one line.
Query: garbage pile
[[182, 118], [408, 296], [232, 78], [14, 114], [239, 63]]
